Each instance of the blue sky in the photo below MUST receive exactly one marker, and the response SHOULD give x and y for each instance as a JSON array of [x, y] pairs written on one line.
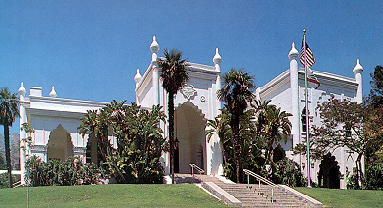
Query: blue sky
[[90, 50]]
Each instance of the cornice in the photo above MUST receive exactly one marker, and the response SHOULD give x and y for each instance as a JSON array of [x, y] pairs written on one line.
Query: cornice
[[325, 78], [55, 113], [195, 71], [63, 101], [275, 83]]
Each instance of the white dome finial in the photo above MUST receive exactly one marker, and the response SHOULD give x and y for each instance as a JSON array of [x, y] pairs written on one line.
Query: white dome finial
[[358, 67], [137, 77], [293, 52], [217, 59], [53, 93], [154, 47], [22, 90]]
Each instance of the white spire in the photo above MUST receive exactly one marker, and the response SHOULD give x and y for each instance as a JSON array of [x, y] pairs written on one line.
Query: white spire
[[53, 93], [137, 77], [217, 59], [293, 52], [22, 90], [357, 67], [154, 47]]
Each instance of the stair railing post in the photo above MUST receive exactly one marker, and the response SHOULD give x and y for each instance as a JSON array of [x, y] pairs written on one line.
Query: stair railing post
[[272, 195], [248, 179]]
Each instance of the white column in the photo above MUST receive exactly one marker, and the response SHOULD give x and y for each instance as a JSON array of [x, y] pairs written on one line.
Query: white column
[[216, 154], [358, 69], [154, 48], [23, 119], [293, 56]]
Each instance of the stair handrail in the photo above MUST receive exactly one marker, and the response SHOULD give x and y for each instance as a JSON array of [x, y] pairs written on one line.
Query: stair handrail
[[200, 170], [259, 178], [264, 180]]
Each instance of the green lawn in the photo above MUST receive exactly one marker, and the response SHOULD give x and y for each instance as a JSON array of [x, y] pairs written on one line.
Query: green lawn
[[116, 195], [345, 198]]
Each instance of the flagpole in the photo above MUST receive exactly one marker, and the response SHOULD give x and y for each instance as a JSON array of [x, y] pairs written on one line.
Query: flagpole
[[307, 113]]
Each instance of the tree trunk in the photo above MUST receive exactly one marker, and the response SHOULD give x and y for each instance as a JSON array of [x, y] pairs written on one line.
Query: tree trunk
[[171, 132], [237, 146], [8, 153], [359, 170]]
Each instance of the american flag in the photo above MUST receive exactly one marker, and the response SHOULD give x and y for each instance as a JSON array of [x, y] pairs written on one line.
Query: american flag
[[309, 56]]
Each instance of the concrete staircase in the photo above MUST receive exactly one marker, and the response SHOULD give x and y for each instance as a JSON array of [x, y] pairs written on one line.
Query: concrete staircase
[[252, 195]]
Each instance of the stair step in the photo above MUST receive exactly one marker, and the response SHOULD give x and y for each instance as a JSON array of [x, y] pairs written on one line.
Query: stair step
[[251, 195]]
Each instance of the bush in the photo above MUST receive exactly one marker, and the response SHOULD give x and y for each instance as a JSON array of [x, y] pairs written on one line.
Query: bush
[[374, 177], [288, 172], [68, 173], [4, 182]]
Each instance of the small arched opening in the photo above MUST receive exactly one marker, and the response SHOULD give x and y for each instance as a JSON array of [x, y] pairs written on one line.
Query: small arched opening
[[60, 145]]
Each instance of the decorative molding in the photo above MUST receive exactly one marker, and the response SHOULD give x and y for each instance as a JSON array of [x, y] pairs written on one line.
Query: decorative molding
[[188, 91]]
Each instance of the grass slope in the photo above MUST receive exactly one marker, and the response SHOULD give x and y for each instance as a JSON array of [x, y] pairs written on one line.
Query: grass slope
[[116, 195], [344, 198]]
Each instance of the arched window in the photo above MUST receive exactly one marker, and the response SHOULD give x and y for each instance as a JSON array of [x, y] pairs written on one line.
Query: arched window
[[303, 119]]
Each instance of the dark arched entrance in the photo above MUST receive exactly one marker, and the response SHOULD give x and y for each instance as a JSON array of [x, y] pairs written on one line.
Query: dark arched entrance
[[190, 126], [329, 174]]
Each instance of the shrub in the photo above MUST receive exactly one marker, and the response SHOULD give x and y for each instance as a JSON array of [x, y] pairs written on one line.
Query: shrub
[[288, 172], [4, 182], [374, 177], [68, 173]]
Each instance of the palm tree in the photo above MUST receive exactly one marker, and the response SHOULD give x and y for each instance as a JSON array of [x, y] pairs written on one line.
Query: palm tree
[[236, 92], [8, 112], [275, 127], [173, 73]]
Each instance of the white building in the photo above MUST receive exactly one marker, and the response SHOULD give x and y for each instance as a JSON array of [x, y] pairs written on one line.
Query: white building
[[287, 91], [55, 120]]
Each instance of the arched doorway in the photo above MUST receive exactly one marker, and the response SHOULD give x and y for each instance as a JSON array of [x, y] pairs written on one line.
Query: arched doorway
[[190, 126], [60, 145], [329, 174]]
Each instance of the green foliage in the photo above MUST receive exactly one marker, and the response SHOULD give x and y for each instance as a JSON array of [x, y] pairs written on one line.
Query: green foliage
[[289, 173], [375, 98], [139, 141], [374, 177], [4, 180], [57, 173], [236, 92], [344, 124], [8, 112], [262, 133], [174, 75]]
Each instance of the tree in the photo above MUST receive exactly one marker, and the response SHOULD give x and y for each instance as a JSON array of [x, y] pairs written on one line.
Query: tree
[[375, 97], [236, 92], [173, 73], [139, 140], [99, 123], [273, 124], [344, 124], [8, 112]]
